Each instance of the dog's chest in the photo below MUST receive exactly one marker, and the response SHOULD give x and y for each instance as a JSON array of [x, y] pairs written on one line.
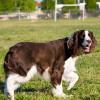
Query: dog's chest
[[69, 65]]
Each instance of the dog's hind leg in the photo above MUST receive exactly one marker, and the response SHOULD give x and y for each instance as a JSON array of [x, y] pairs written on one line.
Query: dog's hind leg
[[9, 87]]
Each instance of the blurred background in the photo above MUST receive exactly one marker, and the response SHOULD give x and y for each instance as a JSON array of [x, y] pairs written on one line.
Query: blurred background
[[49, 9]]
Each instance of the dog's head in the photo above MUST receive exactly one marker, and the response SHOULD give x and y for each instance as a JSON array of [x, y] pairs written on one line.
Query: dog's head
[[82, 39]]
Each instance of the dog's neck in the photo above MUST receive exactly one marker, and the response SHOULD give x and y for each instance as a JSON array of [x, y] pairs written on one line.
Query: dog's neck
[[69, 51]]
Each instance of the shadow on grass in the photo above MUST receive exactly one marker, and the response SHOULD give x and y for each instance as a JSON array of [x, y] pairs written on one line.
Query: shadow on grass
[[1, 86], [90, 97], [45, 89], [33, 90]]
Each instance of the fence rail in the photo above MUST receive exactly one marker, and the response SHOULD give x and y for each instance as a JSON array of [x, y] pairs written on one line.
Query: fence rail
[[70, 14]]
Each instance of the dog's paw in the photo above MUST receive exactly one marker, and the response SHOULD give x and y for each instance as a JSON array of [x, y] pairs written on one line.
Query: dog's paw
[[63, 95], [68, 88]]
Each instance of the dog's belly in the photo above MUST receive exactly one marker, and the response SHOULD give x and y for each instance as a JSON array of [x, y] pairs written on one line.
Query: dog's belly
[[22, 79], [33, 71], [46, 74]]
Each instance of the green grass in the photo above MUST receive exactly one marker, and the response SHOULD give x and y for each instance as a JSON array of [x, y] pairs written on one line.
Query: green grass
[[88, 86]]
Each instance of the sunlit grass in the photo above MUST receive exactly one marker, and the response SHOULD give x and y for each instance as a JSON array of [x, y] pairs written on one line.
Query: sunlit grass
[[88, 66]]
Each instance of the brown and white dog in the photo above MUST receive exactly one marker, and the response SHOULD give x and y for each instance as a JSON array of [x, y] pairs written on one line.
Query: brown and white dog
[[54, 61]]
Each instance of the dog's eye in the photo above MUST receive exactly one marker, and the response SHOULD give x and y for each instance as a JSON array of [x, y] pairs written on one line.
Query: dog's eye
[[90, 35], [83, 36]]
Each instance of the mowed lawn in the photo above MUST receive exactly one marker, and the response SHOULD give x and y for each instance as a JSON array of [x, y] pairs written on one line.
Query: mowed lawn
[[88, 66]]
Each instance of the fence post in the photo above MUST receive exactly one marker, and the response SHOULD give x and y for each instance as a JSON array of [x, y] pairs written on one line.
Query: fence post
[[55, 13], [19, 17]]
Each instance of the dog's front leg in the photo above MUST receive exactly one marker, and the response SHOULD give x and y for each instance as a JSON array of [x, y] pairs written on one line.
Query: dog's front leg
[[57, 89], [71, 78]]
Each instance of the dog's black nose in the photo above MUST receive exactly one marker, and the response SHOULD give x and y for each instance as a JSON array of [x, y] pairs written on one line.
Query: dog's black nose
[[89, 41]]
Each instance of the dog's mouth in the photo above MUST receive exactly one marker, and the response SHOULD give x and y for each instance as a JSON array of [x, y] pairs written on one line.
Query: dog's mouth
[[86, 49]]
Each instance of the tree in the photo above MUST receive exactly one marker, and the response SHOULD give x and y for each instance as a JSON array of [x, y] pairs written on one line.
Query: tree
[[12, 5], [25, 5], [48, 4], [69, 2], [60, 1], [0, 5], [7, 5], [91, 4], [29, 5]]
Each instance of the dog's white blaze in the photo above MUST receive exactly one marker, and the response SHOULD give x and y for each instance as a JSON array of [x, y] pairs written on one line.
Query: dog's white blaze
[[46, 74], [87, 35]]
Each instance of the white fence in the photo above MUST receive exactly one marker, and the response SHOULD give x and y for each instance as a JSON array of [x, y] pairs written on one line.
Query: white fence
[[69, 14]]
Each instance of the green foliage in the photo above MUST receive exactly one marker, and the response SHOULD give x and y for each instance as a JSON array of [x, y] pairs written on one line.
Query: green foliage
[[69, 2], [91, 4], [0, 5], [8, 5], [12, 5], [26, 5], [97, 0], [51, 4], [60, 1], [29, 5], [48, 4]]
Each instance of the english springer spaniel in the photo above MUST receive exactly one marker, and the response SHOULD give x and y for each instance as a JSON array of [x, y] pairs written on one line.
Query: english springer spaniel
[[54, 61]]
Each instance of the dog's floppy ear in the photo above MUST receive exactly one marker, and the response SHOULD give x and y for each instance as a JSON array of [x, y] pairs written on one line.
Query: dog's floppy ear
[[76, 36], [73, 40], [70, 42], [94, 42]]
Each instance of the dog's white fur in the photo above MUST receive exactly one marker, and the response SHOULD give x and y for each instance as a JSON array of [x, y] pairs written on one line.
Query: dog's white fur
[[86, 38], [70, 74], [46, 75]]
